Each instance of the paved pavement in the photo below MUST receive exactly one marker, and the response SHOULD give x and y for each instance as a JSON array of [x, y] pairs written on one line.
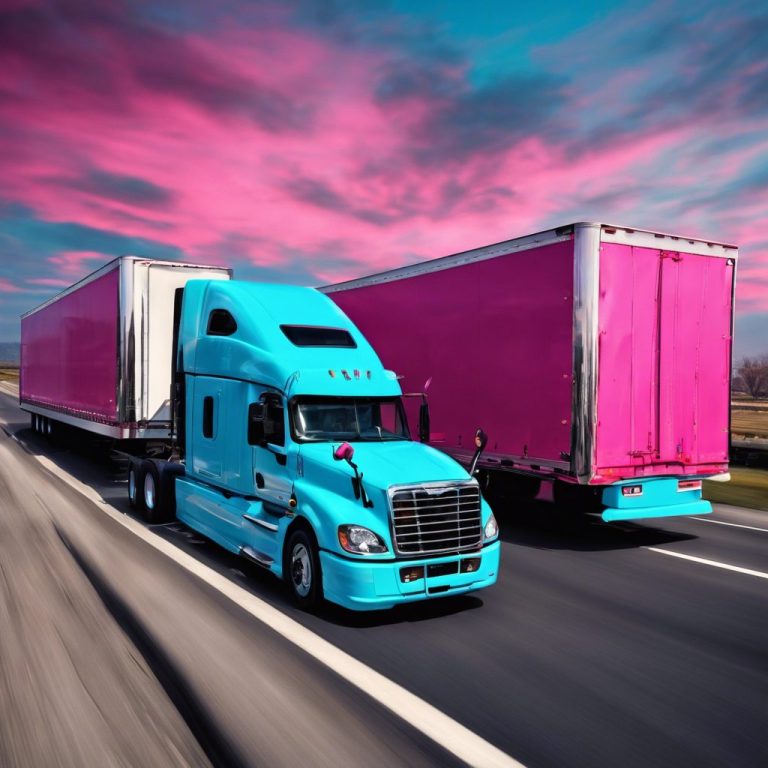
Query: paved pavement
[[598, 647]]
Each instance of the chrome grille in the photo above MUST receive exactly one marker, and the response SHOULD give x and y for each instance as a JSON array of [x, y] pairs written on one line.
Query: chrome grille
[[436, 519]]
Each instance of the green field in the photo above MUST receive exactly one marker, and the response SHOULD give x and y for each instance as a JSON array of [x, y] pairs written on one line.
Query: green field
[[746, 488]]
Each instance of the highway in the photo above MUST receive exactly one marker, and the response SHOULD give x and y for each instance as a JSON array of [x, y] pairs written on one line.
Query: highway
[[128, 644]]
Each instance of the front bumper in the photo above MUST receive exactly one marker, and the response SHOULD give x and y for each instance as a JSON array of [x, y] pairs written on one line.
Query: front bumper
[[365, 585]]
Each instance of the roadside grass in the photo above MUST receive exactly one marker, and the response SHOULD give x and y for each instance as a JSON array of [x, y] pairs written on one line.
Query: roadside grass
[[746, 488], [749, 423], [9, 373]]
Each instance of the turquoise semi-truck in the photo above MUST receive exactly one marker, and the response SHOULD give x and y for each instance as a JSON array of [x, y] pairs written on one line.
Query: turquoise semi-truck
[[286, 441]]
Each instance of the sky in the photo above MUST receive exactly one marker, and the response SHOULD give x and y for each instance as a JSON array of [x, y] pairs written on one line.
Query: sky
[[311, 142]]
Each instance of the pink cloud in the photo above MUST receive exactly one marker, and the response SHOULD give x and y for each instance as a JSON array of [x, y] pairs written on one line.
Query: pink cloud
[[74, 265], [367, 203], [6, 286], [53, 282]]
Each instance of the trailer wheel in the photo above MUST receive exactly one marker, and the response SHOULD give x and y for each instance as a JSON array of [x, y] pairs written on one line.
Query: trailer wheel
[[301, 569], [583, 499]]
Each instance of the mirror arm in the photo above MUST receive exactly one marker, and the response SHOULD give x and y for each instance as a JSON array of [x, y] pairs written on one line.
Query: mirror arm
[[481, 440]]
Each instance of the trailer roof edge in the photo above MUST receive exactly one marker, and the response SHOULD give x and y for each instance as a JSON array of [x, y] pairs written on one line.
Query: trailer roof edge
[[106, 269], [609, 233]]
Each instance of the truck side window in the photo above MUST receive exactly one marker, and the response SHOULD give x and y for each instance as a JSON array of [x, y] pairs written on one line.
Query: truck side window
[[274, 422], [208, 417], [266, 422], [221, 323]]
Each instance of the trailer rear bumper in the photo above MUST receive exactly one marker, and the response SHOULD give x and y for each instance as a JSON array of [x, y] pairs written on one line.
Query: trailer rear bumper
[[657, 497], [370, 585]]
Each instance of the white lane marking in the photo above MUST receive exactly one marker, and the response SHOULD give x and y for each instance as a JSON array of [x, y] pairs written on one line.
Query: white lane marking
[[733, 525], [442, 729], [714, 563]]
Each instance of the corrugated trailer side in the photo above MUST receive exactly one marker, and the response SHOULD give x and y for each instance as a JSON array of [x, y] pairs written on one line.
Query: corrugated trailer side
[[70, 351], [590, 354], [493, 329], [99, 355]]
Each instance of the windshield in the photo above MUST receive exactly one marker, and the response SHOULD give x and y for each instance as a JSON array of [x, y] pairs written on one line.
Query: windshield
[[348, 418]]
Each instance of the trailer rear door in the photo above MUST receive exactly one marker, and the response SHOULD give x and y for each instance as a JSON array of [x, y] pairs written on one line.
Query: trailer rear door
[[664, 361]]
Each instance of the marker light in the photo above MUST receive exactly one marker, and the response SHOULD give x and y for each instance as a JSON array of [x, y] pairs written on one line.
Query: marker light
[[411, 573], [470, 564], [689, 485]]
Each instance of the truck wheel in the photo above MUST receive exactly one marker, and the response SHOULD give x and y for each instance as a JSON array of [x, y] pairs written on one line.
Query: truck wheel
[[157, 497], [151, 492], [133, 485], [302, 570]]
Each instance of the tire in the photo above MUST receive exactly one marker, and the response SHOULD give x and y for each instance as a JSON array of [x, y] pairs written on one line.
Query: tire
[[508, 492], [581, 499], [151, 490], [157, 490], [301, 570], [520, 487], [134, 499]]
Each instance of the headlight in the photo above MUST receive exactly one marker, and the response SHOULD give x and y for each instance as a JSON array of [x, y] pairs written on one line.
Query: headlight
[[360, 541], [491, 528]]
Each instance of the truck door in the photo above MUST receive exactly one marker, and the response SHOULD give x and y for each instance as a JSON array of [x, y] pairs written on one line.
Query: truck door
[[274, 459], [664, 359], [694, 358]]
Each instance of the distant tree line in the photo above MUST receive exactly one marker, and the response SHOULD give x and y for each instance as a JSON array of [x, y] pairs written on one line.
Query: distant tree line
[[752, 376]]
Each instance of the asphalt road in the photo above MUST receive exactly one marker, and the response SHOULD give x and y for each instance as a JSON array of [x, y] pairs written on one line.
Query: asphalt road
[[594, 649]]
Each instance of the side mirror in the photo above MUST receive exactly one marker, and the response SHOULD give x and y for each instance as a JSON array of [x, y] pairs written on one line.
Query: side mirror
[[481, 440], [256, 434], [424, 426], [344, 452]]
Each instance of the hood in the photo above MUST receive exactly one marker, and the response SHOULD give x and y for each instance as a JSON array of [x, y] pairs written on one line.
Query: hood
[[383, 464]]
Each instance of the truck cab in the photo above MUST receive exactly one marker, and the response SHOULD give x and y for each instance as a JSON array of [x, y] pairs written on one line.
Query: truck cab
[[297, 454]]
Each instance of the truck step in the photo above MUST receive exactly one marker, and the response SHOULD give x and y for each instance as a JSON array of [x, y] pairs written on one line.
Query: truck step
[[263, 523], [257, 557]]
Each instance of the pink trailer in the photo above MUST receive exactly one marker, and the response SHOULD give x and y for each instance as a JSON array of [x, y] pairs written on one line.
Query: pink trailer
[[98, 355], [592, 355]]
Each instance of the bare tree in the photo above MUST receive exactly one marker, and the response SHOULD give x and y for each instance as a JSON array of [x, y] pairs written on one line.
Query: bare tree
[[754, 374]]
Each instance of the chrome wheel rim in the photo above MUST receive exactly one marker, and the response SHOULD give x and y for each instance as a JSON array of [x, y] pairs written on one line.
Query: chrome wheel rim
[[132, 484], [301, 570], [149, 491]]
